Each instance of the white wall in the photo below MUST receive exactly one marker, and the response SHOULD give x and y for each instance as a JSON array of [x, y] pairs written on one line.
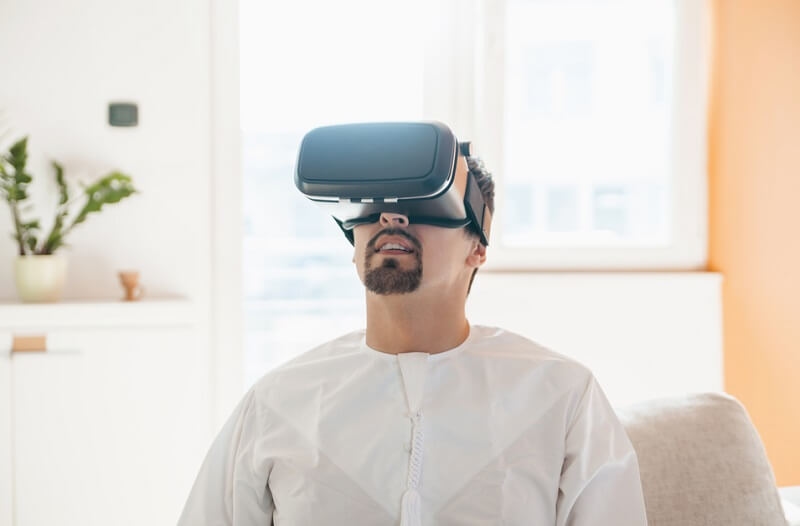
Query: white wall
[[61, 63]]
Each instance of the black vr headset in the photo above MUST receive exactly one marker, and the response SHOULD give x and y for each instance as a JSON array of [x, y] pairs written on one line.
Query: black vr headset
[[358, 171]]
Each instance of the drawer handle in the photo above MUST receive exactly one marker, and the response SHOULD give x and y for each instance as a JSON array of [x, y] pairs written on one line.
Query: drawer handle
[[37, 343]]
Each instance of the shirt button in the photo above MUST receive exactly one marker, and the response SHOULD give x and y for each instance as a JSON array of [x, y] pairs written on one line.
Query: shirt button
[[407, 446]]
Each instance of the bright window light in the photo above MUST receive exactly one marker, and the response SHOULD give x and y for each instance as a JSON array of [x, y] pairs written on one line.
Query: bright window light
[[591, 114], [588, 101], [306, 64]]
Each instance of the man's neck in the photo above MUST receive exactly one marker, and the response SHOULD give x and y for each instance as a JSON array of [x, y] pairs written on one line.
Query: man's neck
[[414, 323]]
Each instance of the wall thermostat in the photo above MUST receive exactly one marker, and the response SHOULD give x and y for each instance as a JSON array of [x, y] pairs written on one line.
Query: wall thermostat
[[123, 114]]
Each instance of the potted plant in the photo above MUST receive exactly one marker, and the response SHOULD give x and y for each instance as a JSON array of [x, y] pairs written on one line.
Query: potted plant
[[39, 270]]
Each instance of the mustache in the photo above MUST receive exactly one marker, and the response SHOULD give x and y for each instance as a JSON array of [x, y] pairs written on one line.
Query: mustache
[[394, 232]]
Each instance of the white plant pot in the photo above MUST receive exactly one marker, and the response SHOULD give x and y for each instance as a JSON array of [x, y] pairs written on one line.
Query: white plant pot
[[40, 279]]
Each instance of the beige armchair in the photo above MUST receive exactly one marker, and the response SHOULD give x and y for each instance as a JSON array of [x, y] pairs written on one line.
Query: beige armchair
[[702, 463]]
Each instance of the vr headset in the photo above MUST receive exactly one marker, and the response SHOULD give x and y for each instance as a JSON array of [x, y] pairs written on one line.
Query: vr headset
[[358, 171]]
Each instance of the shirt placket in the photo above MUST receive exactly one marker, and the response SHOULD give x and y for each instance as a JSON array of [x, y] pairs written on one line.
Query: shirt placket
[[414, 368]]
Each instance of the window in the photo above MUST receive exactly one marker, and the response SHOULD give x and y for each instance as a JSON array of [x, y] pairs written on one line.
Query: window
[[590, 114], [593, 115], [307, 64]]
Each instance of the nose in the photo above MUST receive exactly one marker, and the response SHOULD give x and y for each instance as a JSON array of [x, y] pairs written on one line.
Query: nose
[[389, 219]]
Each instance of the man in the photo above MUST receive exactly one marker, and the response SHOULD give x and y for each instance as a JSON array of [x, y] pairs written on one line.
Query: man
[[423, 418]]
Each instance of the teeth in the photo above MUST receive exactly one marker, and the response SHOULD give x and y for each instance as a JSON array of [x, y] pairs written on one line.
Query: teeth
[[394, 246]]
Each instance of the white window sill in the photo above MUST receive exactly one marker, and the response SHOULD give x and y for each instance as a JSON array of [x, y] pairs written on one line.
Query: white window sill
[[644, 335]]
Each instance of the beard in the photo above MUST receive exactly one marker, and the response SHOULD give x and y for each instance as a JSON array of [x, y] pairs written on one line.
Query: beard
[[389, 278]]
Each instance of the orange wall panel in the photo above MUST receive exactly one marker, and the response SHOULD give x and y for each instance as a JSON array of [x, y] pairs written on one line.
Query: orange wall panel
[[754, 189]]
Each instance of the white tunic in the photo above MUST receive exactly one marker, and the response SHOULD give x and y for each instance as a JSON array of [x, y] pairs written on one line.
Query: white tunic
[[496, 431]]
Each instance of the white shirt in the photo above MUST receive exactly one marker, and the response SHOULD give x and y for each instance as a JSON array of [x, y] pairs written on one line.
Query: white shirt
[[496, 431]]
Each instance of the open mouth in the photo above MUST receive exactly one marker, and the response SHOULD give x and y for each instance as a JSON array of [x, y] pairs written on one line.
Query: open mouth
[[395, 242], [394, 248]]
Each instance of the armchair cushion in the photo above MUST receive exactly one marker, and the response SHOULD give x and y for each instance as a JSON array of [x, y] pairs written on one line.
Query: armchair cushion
[[702, 462]]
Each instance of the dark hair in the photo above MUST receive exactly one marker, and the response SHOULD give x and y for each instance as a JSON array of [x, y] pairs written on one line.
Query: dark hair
[[483, 178], [486, 184]]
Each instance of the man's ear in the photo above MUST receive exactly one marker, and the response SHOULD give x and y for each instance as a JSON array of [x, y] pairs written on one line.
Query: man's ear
[[477, 255]]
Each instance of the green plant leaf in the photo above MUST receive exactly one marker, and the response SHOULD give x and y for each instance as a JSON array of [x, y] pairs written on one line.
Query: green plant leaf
[[55, 238], [62, 185], [112, 188], [18, 155], [14, 191]]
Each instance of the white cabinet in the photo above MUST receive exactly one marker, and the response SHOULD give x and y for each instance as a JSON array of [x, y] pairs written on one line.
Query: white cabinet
[[6, 460], [110, 424]]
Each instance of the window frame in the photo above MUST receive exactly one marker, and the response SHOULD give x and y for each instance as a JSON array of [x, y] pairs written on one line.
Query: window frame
[[476, 112]]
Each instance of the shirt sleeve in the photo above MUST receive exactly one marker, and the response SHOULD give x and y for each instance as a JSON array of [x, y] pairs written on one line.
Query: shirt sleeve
[[600, 483], [231, 488]]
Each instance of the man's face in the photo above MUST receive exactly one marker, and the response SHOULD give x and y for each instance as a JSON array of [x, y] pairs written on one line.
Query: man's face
[[395, 257]]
